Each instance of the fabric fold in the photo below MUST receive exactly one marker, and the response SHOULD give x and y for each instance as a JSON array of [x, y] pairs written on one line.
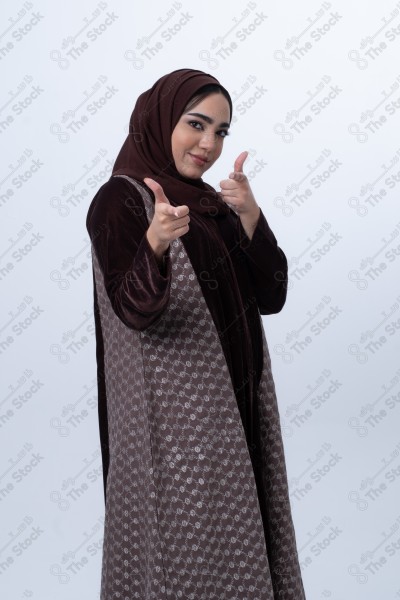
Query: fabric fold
[[189, 505]]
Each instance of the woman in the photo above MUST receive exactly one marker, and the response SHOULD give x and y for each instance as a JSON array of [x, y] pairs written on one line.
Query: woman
[[194, 471]]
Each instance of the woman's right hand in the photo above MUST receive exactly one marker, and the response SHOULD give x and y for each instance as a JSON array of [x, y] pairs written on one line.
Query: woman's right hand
[[168, 223]]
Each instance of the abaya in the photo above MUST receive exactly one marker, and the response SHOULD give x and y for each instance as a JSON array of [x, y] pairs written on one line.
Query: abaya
[[195, 481]]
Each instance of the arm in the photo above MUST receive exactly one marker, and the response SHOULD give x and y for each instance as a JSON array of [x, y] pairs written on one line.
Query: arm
[[267, 265], [265, 262], [136, 277]]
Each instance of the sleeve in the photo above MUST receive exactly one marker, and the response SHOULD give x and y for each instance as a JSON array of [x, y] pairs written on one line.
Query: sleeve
[[137, 286], [267, 266]]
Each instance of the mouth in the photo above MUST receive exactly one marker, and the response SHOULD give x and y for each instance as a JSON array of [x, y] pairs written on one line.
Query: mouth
[[198, 160]]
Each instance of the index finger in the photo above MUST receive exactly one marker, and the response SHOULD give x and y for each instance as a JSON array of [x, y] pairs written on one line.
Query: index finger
[[157, 190], [239, 162], [176, 211], [182, 210]]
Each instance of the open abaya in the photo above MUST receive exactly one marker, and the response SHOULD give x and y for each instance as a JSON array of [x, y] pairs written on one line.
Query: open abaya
[[195, 480]]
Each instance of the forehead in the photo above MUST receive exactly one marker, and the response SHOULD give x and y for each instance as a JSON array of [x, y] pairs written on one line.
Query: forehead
[[214, 105]]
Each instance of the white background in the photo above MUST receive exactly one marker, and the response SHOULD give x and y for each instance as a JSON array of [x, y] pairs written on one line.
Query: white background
[[317, 102]]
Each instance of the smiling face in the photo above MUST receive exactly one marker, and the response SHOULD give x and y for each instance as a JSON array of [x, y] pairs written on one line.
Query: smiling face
[[198, 136]]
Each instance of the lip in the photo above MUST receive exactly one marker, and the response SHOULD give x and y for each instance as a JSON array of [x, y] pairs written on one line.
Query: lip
[[198, 160]]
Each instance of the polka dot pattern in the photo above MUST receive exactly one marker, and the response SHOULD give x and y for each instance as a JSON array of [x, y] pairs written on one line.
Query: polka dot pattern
[[183, 515]]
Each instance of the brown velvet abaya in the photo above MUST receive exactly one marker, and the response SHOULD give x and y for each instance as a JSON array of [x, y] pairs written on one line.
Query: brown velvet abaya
[[195, 480]]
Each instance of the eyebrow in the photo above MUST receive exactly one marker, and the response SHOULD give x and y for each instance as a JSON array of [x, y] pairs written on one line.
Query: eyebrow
[[207, 119]]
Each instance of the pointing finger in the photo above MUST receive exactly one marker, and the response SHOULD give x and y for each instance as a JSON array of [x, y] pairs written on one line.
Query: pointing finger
[[239, 162], [156, 189]]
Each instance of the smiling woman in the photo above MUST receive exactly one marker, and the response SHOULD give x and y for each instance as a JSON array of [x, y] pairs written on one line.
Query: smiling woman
[[195, 481], [198, 136]]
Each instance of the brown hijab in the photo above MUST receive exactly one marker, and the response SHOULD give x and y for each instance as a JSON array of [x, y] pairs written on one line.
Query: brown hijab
[[147, 150]]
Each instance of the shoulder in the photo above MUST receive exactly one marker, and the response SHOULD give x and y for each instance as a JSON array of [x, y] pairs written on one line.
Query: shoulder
[[115, 191], [118, 198]]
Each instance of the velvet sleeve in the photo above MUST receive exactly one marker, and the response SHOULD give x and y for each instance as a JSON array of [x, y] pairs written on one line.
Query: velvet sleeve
[[137, 286], [267, 266]]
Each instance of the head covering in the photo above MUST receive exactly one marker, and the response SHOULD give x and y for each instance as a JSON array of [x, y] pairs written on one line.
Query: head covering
[[147, 150]]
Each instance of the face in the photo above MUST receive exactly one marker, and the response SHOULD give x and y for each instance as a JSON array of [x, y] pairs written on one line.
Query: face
[[198, 137]]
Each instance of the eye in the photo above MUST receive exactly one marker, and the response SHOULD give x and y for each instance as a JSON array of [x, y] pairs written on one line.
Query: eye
[[196, 125], [200, 127]]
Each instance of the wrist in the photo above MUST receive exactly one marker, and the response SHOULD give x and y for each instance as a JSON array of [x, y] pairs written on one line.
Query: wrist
[[251, 215], [159, 248], [249, 221]]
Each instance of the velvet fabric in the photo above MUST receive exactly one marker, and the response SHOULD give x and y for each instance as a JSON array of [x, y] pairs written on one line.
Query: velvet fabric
[[139, 290], [188, 513], [147, 152], [239, 279]]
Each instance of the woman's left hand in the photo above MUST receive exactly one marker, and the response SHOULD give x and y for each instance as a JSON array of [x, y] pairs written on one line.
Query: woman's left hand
[[236, 192]]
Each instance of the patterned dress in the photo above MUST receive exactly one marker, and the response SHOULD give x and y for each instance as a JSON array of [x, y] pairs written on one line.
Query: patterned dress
[[192, 511]]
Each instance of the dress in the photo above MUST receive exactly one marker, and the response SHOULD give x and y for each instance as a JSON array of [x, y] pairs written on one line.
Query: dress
[[192, 510]]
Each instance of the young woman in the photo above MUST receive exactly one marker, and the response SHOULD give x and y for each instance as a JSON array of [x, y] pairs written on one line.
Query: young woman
[[195, 481]]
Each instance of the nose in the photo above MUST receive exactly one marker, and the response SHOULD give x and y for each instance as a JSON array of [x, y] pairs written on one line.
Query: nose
[[208, 140]]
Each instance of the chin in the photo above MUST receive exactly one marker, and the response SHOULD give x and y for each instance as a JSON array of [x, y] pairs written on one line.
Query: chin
[[192, 173], [194, 177]]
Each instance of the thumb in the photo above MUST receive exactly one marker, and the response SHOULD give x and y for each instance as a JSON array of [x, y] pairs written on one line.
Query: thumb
[[156, 189], [239, 162]]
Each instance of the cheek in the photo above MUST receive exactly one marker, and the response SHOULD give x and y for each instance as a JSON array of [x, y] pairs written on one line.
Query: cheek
[[218, 149], [179, 143]]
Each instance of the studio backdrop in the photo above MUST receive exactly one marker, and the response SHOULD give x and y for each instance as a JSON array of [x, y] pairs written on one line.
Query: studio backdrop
[[316, 93]]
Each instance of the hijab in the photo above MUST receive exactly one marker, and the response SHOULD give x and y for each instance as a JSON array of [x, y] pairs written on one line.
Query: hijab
[[147, 150]]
